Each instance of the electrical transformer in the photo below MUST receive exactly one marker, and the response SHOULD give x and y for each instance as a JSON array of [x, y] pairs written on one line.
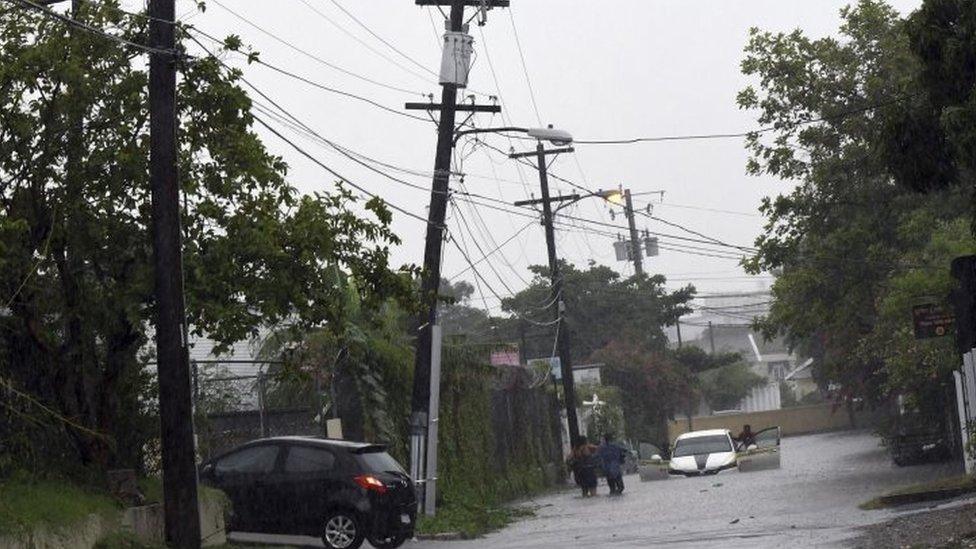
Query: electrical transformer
[[456, 58]]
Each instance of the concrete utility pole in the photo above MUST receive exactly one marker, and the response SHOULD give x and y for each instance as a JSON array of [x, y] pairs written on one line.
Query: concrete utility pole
[[456, 41], [175, 400], [635, 245], [562, 329]]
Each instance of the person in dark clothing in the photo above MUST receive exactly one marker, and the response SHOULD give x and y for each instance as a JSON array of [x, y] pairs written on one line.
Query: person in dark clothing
[[746, 438], [583, 462], [612, 457]]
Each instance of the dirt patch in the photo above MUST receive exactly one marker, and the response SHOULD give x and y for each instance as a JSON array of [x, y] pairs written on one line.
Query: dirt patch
[[941, 528]]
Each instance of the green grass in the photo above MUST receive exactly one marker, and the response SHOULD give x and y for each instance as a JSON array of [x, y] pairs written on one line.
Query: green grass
[[26, 504], [152, 489], [470, 521], [124, 540], [943, 488]]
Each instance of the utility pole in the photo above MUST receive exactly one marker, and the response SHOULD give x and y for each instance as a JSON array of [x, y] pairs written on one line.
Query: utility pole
[[175, 401], [677, 325], [635, 245], [711, 336], [559, 313], [454, 76]]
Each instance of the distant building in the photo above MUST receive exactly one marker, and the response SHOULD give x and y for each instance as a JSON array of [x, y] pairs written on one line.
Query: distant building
[[771, 360]]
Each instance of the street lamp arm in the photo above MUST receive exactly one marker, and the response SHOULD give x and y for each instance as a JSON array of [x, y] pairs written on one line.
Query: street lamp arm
[[458, 134], [602, 194]]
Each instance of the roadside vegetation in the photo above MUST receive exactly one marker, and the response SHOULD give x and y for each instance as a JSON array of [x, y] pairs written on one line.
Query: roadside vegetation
[[27, 503], [469, 522], [941, 489]]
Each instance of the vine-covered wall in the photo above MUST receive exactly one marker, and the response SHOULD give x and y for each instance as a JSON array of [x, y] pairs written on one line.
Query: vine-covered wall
[[498, 431]]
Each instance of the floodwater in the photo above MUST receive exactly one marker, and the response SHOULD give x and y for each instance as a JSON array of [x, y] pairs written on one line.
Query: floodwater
[[812, 500]]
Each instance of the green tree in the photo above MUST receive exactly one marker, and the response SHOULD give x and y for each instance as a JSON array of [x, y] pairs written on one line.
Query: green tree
[[75, 259], [359, 373], [848, 238], [834, 237], [653, 387], [724, 387], [601, 306], [932, 143]]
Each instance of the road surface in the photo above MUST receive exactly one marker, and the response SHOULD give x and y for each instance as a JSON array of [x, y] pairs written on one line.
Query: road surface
[[811, 501]]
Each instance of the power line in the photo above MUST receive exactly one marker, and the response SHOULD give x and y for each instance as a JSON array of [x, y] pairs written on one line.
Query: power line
[[708, 239], [477, 273], [694, 232], [381, 39], [315, 84], [756, 132], [311, 56], [703, 209], [485, 231], [335, 173], [481, 250], [362, 42], [525, 68], [28, 4], [497, 248], [299, 149]]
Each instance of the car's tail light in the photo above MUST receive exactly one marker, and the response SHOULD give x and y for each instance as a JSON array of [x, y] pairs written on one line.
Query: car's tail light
[[369, 482]]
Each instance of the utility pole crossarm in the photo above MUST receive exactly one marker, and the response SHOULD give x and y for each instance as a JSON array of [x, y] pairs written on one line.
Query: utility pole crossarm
[[473, 3], [543, 153], [459, 108]]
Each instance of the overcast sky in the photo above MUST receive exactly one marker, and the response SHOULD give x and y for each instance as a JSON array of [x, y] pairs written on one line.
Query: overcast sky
[[617, 69]]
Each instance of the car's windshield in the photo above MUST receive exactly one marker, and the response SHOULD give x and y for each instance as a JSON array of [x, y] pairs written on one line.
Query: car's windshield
[[379, 462], [702, 445]]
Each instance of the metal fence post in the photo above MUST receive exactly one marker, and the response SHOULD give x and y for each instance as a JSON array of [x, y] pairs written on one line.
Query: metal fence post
[[262, 403]]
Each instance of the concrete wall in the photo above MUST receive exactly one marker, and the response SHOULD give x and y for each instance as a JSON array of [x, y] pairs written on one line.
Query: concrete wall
[[793, 421], [83, 535]]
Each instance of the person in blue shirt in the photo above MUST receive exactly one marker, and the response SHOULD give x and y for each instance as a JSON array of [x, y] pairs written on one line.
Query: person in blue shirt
[[612, 458]]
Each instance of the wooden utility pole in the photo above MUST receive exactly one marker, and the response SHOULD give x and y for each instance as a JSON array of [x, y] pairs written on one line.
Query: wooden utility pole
[[439, 195], [559, 313], [635, 244], [175, 397], [711, 336]]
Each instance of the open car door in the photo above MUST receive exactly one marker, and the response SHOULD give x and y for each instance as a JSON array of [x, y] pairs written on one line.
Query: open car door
[[651, 465], [764, 454]]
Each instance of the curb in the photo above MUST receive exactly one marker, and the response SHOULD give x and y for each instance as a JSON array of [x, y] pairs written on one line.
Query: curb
[[919, 497], [443, 536]]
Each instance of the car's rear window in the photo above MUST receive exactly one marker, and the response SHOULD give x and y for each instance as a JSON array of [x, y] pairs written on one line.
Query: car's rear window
[[379, 462], [702, 445]]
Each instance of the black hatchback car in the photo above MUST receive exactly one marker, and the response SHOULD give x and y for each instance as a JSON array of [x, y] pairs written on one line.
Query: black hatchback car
[[343, 492]]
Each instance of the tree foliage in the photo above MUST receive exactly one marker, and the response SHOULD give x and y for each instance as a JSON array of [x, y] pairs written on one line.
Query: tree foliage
[[76, 290], [725, 386], [854, 245], [653, 387], [600, 307]]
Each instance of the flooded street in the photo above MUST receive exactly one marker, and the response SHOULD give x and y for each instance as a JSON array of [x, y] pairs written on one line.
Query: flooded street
[[811, 501]]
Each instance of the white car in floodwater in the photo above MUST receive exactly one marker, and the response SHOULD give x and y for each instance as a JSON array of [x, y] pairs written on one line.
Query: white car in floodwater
[[703, 453]]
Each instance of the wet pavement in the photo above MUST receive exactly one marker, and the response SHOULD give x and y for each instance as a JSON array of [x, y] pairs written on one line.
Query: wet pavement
[[811, 501]]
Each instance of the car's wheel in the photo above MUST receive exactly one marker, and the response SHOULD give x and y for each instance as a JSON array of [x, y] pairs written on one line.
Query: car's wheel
[[343, 530], [388, 543]]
